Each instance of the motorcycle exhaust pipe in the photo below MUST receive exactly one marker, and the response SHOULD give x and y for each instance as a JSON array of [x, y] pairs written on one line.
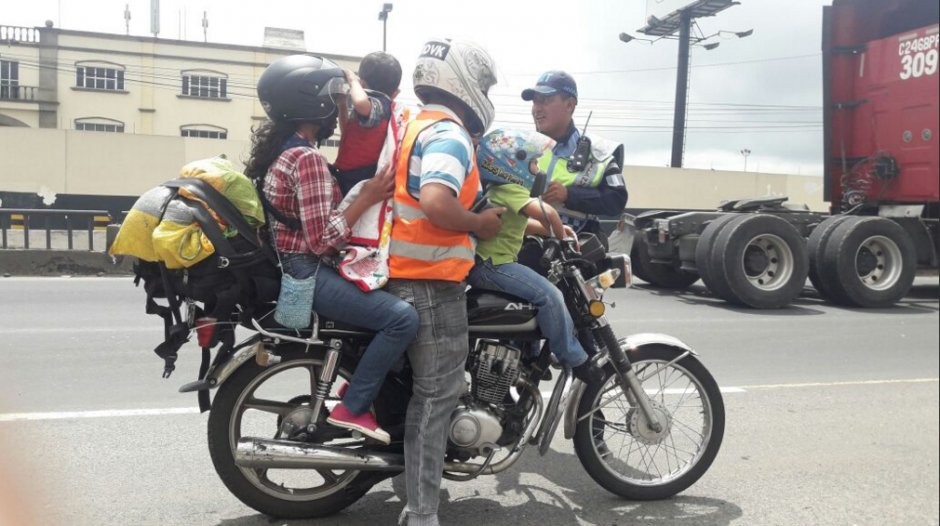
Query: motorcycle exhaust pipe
[[260, 453]]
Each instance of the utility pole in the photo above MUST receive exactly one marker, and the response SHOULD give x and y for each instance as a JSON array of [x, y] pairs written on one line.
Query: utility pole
[[205, 26], [127, 18], [678, 25], [682, 90]]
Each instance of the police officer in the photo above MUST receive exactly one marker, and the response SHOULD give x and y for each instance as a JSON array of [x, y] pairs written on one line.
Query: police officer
[[586, 174]]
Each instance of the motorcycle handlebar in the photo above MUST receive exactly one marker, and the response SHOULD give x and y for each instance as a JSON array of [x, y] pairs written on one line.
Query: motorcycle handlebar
[[548, 256]]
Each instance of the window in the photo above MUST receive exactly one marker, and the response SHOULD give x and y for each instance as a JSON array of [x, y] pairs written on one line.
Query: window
[[203, 131], [330, 143], [102, 78], [98, 124], [205, 84], [9, 79]]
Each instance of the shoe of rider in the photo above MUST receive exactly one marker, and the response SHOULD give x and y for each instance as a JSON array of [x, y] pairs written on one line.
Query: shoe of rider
[[364, 423]]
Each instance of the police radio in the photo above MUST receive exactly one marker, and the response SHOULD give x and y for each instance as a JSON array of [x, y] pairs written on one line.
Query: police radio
[[582, 154]]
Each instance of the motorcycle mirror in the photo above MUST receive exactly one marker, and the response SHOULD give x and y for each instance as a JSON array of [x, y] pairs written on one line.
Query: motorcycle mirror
[[539, 186]]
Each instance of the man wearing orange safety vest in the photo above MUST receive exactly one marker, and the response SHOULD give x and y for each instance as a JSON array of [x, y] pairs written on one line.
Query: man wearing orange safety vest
[[432, 249]]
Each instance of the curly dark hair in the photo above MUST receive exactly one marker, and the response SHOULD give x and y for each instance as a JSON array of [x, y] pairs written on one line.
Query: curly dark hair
[[266, 142]]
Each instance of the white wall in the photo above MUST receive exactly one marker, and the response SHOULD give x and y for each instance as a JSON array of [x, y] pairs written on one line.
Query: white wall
[[653, 187], [97, 163]]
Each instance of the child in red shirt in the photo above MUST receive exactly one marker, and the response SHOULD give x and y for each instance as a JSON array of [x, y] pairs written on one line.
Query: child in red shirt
[[364, 127]]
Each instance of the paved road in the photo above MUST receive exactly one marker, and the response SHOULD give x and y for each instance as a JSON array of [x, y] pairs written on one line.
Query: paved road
[[837, 421]]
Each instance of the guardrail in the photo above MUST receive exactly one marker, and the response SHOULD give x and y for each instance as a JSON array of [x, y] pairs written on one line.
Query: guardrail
[[24, 219]]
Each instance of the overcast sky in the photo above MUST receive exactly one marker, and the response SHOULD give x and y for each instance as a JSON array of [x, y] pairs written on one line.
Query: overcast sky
[[630, 87]]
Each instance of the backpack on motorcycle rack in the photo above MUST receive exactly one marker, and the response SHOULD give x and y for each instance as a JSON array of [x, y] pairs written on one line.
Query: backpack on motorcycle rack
[[239, 274]]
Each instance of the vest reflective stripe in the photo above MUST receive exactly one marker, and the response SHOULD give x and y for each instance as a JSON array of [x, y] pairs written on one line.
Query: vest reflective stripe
[[557, 168], [408, 213], [418, 248], [429, 252]]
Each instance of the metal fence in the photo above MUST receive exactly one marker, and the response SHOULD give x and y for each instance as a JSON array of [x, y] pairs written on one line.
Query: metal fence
[[28, 220]]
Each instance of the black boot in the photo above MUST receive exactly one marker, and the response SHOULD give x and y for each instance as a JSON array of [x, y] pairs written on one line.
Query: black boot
[[589, 373]]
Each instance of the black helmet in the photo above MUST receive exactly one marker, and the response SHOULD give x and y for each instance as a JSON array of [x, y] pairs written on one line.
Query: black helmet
[[301, 88]]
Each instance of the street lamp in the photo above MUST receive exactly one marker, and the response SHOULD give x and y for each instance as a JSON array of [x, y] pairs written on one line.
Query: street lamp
[[626, 38], [746, 153], [383, 16], [728, 35]]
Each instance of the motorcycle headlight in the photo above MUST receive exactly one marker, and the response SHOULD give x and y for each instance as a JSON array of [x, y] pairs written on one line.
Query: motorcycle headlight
[[600, 283], [622, 263]]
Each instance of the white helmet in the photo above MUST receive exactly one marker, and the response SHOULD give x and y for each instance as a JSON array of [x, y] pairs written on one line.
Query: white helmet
[[465, 72]]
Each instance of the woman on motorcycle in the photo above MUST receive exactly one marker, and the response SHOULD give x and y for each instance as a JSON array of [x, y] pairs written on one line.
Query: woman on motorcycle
[[300, 94]]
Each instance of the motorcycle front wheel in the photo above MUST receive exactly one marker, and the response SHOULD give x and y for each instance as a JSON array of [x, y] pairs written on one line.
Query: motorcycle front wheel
[[618, 448]]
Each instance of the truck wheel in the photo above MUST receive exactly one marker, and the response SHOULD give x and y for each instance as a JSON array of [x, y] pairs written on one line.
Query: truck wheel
[[761, 261], [816, 247], [869, 263], [657, 274], [705, 248]]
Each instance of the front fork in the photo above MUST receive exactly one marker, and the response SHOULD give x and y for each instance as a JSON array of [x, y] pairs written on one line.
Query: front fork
[[626, 375]]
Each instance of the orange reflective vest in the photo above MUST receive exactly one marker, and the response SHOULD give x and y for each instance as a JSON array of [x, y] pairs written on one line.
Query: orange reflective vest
[[418, 249]]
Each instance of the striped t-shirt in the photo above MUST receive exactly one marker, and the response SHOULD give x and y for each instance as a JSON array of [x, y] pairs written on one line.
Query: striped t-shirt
[[443, 154]]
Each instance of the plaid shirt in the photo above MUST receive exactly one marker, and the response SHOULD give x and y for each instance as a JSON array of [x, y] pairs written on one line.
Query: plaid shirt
[[300, 186]]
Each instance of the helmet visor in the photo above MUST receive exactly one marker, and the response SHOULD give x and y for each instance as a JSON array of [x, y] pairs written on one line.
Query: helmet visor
[[336, 89]]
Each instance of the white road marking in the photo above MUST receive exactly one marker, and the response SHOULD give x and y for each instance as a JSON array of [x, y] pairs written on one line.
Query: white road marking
[[843, 384], [71, 415], [117, 413]]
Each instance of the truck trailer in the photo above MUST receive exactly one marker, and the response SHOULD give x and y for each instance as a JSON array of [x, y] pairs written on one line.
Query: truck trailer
[[880, 60]]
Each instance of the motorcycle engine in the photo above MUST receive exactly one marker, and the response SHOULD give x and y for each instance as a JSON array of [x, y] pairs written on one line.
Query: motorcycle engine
[[476, 422], [495, 369], [472, 428]]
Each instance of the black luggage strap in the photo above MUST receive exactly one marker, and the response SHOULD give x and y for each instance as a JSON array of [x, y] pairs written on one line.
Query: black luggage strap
[[269, 209], [219, 204], [176, 333]]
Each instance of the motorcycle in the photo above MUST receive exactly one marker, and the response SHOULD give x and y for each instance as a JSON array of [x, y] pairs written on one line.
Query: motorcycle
[[649, 431]]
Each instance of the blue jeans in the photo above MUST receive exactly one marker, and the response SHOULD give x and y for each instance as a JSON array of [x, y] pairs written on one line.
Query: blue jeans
[[438, 360], [339, 299], [526, 284]]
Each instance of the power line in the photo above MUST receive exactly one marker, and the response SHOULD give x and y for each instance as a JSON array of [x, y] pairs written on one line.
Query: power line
[[647, 70], [140, 82], [639, 101], [247, 78], [720, 108], [252, 79]]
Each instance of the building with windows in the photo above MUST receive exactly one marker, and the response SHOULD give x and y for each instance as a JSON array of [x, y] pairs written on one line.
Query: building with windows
[[77, 80], [97, 119]]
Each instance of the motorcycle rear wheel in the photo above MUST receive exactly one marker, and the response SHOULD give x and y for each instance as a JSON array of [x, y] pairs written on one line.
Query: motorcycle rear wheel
[[274, 494]]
